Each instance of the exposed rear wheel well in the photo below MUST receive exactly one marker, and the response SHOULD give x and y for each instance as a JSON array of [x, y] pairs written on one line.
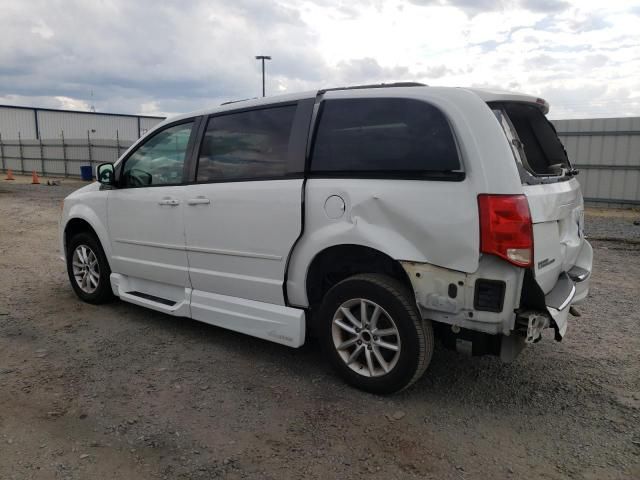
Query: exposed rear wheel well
[[334, 264], [75, 226]]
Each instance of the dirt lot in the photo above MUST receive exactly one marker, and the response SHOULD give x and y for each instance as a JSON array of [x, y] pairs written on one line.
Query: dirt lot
[[122, 392]]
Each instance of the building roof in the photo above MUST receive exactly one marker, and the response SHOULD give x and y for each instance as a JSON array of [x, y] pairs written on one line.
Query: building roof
[[19, 107]]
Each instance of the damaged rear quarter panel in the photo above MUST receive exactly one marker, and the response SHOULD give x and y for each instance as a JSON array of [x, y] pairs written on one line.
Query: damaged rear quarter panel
[[424, 221], [438, 301], [405, 219]]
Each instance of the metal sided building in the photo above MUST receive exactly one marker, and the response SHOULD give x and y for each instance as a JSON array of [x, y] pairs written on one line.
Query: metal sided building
[[30, 123], [607, 153]]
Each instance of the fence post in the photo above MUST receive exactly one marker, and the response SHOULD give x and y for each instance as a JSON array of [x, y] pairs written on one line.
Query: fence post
[[64, 154], [4, 167], [90, 156], [41, 154], [21, 155]]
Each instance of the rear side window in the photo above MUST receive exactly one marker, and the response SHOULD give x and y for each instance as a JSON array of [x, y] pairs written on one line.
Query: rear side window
[[540, 149], [384, 135], [246, 145]]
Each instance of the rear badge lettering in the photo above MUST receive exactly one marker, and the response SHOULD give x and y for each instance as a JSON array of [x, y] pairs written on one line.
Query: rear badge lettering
[[545, 263]]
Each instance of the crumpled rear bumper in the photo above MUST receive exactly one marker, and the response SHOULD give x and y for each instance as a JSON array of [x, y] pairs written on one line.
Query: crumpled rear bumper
[[539, 311], [572, 287]]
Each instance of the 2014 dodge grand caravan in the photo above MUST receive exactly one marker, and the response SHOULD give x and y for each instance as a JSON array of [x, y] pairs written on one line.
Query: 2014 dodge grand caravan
[[379, 216]]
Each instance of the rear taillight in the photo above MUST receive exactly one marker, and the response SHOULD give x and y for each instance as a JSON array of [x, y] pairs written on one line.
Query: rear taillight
[[505, 228]]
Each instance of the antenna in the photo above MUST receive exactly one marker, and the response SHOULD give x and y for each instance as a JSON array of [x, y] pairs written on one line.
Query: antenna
[[92, 107]]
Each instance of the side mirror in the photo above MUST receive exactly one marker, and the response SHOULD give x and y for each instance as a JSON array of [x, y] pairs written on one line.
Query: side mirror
[[106, 174]]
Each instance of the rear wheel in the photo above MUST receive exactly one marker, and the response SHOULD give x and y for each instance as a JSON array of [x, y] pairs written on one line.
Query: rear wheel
[[373, 335], [88, 269]]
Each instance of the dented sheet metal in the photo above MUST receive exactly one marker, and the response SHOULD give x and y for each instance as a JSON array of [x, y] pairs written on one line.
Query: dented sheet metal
[[402, 219], [570, 288], [447, 296], [559, 302]]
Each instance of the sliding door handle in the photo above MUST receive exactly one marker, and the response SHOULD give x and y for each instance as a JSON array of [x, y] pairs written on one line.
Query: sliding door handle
[[198, 201], [169, 201]]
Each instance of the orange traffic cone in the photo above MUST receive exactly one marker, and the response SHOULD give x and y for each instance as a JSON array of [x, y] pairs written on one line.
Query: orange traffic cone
[[9, 175], [34, 178]]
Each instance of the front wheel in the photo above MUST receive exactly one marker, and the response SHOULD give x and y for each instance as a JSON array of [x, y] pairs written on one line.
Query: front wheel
[[88, 269], [373, 335]]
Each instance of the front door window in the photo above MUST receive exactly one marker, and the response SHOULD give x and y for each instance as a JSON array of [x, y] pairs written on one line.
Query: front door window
[[160, 160]]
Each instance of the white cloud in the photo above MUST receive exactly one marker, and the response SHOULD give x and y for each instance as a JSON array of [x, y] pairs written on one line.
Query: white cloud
[[67, 103], [150, 108], [170, 56], [42, 29]]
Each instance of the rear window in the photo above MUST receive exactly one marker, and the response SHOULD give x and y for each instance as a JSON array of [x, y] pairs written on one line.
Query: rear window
[[534, 137], [384, 136]]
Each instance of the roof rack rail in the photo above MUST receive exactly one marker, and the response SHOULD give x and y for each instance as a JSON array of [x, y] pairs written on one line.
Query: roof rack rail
[[374, 85], [237, 101]]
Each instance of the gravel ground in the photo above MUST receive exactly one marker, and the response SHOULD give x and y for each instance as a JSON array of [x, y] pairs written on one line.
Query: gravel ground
[[118, 391], [610, 224]]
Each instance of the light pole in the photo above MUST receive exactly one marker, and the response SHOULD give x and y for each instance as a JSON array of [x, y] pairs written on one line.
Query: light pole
[[263, 58]]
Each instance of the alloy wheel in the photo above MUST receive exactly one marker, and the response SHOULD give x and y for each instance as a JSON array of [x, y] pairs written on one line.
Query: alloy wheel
[[366, 337], [86, 270]]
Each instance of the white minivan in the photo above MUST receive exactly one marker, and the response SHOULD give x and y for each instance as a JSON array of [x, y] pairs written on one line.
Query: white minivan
[[377, 216]]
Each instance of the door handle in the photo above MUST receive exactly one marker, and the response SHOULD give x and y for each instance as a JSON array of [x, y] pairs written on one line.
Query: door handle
[[169, 201], [198, 201]]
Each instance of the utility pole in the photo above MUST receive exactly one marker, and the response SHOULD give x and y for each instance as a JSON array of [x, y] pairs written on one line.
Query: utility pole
[[263, 58]]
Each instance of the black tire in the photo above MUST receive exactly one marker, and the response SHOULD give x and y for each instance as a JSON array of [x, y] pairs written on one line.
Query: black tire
[[102, 292], [415, 334]]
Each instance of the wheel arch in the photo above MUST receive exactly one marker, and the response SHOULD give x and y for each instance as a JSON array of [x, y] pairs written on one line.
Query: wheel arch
[[77, 223], [337, 262]]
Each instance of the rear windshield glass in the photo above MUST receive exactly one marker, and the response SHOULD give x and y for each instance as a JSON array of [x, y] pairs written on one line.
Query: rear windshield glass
[[540, 149]]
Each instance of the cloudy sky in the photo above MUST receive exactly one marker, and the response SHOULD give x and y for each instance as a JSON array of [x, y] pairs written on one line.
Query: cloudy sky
[[164, 57]]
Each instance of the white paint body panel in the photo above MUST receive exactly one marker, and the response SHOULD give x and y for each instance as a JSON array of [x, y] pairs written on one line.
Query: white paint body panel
[[238, 244], [147, 237], [88, 203], [276, 323], [557, 214], [404, 219], [432, 222], [123, 285]]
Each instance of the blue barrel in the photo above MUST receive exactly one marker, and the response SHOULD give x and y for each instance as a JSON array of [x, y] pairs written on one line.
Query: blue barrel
[[85, 173]]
